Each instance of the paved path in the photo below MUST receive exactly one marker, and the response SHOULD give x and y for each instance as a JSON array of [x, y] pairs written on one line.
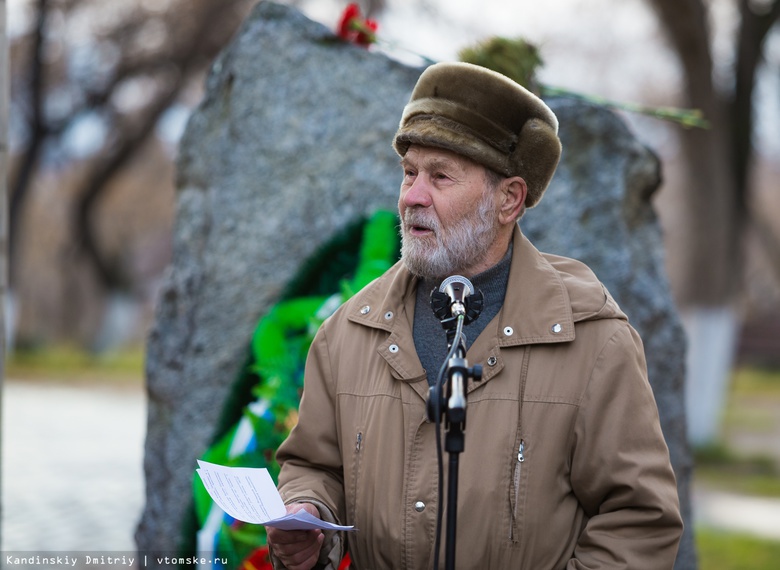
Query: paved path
[[750, 515], [71, 466], [73, 480]]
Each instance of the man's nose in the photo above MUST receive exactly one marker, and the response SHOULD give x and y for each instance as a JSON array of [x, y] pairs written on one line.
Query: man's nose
[[418, 194]]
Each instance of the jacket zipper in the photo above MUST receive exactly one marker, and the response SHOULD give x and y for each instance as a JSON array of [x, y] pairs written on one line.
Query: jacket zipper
[[517, 473], [356, 472]]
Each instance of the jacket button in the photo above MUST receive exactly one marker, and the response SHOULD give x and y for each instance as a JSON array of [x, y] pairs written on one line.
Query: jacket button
[[556, 328], [365, 310], [492, 361], [419, 506]]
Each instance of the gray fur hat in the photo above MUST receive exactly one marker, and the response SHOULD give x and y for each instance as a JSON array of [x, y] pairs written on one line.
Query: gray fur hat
[[486, 117]]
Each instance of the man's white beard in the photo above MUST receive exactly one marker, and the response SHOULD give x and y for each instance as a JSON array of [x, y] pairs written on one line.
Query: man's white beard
[[448, 250]]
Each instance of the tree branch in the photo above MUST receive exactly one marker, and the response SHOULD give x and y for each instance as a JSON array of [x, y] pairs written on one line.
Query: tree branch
[[187, 56], [20, 183], [97, 179], [753, 30]]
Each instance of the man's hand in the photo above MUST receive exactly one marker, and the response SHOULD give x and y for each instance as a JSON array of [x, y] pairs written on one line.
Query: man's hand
[[297, 549]]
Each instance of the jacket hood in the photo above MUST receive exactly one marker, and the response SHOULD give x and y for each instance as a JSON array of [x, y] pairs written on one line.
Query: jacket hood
[[590, 299], [548, 294]]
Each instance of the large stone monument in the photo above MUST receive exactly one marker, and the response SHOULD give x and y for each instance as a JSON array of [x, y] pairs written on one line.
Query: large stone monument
[[292, 142]]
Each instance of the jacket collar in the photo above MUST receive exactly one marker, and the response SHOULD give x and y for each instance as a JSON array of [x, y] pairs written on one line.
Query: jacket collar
[[387, 301], [388, 304], [537, 308]]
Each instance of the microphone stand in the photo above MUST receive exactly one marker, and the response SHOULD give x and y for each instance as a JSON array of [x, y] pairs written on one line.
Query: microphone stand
[[453, 406]]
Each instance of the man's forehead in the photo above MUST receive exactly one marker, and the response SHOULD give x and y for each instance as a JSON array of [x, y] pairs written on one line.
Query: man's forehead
[[421, 156]]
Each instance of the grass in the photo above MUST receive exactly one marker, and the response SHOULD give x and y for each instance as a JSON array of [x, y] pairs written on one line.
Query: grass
[[719, 466], [754, 403], [754, 399], [738, 478], [753, 381], [69, 364], [719, 550]]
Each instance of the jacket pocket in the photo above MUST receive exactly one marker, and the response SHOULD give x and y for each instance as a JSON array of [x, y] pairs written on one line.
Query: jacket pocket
[[516, 493]]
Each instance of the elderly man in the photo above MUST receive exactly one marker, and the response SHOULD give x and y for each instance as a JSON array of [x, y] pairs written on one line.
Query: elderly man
[[565, 465]]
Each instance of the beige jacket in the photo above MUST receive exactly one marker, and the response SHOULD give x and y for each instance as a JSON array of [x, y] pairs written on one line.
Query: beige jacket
[[564, 377]]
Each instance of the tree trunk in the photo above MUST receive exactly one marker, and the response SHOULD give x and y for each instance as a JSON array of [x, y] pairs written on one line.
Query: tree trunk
[[753, 30], [28, 163], [710, 249]]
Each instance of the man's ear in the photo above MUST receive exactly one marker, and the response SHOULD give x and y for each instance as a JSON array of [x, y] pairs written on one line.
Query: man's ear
[[513, 193]]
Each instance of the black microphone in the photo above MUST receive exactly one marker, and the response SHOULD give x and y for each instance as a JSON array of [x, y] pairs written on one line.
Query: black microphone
[[455, 297], [457, 288]]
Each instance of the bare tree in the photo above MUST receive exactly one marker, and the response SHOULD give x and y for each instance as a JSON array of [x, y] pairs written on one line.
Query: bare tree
[[37, 132], [719, 158], [718, 192], [3, 162], [82, 58], [4, 92]]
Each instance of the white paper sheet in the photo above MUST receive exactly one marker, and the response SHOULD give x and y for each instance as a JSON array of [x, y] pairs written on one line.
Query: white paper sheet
[[249, 494]]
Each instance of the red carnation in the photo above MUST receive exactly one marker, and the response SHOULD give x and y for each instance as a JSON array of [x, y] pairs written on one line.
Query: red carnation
[[356, 29], [345, 562], [257, 560]]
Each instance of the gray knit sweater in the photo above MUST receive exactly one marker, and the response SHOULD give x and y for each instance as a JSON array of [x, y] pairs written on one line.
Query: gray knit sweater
[[430, 339]]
